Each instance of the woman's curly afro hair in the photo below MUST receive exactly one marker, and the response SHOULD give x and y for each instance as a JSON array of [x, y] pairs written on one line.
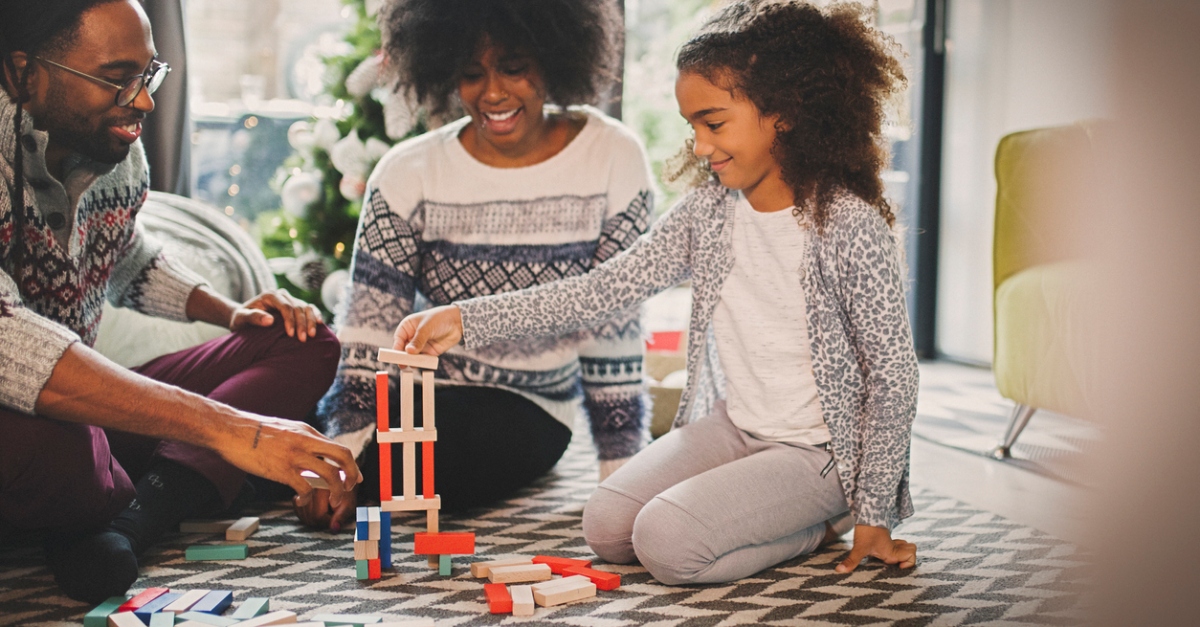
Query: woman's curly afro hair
[[829, 77], [573, 42]]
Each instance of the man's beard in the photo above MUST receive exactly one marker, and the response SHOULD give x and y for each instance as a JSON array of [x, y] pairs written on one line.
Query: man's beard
[[70, 128]]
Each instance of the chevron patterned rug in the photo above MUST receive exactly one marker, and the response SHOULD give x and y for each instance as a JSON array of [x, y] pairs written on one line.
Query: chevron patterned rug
[[975, 568]]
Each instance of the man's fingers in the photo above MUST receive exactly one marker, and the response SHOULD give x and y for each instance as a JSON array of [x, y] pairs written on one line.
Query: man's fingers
[[261, 318]]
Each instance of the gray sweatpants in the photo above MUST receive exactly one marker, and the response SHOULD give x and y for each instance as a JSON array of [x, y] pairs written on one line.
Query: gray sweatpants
[[707, 503]]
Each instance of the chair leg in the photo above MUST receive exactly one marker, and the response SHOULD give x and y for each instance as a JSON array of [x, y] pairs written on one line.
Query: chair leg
[[1020, 417]]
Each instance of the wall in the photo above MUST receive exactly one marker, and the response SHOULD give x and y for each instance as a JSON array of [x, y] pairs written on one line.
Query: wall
[[1010, 65]]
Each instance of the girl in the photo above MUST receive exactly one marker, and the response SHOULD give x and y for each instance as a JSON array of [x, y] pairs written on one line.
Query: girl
[[516, 194], [798, 320]]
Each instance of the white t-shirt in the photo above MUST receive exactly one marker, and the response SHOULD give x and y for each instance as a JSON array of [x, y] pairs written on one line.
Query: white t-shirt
[[762, 332]]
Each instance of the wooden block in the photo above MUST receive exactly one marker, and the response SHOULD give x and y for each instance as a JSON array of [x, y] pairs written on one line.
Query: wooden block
[[242, 529], [445, 567], [498, 599], [205, 526], [406, 400], [557, 564], [382, 425], [564, 591], [309, 624], [444, 543], [416, 434], [403, 359], [254, 606], [125, 619], [427, 468], [162, 619], [480, 569], [140, 599], [214, 602], [366, 549], [316, 481], [373, 569], [98, 617], [362, 570], [431, 526], [156, 605], [200, 618], [417, 503], [410, 470], [372, 523], [362, 527], [522, 601], [519, 574], [603, 580], [385, 473], [281, 617], [554, 583], [385, 539], [356, 620], [185, 602], [411, 622], [427, 400], [210, 552]]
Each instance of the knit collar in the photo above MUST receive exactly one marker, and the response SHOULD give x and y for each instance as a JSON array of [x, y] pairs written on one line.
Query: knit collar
[[35, 153]]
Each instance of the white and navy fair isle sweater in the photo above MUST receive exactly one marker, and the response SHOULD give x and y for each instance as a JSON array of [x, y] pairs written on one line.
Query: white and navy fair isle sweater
[[82, 245], [439, 226]]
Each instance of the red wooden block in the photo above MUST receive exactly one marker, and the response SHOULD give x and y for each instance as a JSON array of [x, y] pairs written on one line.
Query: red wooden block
[[141, 599], [385, 450], [557, 564], [373, 569], [427, 469], [603, 580], [444, 543], [498, 599]]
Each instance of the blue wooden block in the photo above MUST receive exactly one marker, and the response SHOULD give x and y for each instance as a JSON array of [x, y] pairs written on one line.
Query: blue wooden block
[[444, 566], [385, 539], [254, 606], [362, 528], [143, 613], [214, 602]]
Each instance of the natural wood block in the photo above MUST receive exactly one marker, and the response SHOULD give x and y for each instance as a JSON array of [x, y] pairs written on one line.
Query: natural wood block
[[204, 526], [242, 529], [125, 619], [209, 620], [498, 599], [416, 434], [403, 359], [519, 574], [418, 503], [427, 400], [444, 543], [141, 598], [366, 549], [208, 552], [557, 564], [406, 400], [281, 617], [554, 583], [431, 526], [185, 602], [603, 580], [565, 591], [522, 601], [373, 530], [481, 569]]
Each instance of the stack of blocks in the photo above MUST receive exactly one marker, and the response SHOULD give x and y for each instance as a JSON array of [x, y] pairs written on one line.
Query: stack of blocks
[[437, 546], [578, 581], [372, 542]]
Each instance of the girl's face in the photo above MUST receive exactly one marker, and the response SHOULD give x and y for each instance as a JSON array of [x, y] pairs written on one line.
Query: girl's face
[[735, 139], [504, 94]]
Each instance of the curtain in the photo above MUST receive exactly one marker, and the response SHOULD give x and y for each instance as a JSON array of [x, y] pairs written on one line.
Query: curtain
[[166, 134]]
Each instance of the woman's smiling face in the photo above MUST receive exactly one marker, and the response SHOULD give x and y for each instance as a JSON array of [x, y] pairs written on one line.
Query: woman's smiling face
[[504, 93]]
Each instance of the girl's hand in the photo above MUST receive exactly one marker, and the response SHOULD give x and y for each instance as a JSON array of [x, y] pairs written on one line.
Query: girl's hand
[[430, 332], [877, 542]]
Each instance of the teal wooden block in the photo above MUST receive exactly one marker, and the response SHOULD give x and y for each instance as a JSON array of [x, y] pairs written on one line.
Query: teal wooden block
[[98, 617], [362, 569], [205, 552], [354, 620], [207, 619], [444, 566], [162, 619], [254, 606]]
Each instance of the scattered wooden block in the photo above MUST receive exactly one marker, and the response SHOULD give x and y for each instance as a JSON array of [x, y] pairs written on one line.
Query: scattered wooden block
[[125, 619], [98, 617], [281, 617], [564, 590], [444, 543], [309, 624], [401, 358], [519, 574], [162, 619], [498, 599], [557, 564], [140, 599], [156, 605], [354, 620], [214, 602], [185, 602], [200, 618], [209, 552], [242, 529], [480, 569], [445, 567], [254, 606], [205, 526], [522, 601], [603, 580]]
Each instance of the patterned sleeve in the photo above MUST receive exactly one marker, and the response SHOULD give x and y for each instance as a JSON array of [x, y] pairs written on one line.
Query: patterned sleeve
[[30, 345], [381, 291], [872, 289]]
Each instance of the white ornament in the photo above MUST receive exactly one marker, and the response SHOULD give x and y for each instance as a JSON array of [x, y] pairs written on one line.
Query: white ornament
[[299, 191], [333, 290], [399, 113], [349, 156], [352, 187], [365, 77], [309, 271], [325, 134], [300, 135]]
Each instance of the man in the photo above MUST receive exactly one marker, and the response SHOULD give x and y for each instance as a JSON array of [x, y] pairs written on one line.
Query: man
[[83, 437]]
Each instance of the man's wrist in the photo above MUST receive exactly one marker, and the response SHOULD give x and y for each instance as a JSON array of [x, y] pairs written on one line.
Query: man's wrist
[[206, 305]]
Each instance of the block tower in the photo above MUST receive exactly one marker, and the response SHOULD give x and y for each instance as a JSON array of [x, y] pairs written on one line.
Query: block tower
[[409, 435]]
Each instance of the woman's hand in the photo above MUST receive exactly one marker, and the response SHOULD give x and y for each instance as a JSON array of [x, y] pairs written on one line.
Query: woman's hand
[[877, 542], [430, 332]]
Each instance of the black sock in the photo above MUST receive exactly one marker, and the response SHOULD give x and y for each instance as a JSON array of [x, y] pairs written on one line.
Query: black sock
[[167, 494], [92, 566]]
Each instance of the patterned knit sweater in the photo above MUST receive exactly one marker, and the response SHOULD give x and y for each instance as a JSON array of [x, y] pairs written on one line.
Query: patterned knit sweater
[[439, 226], [82, 245]]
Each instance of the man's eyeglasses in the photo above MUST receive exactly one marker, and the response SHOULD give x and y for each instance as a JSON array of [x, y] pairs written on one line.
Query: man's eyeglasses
[[151, 80]]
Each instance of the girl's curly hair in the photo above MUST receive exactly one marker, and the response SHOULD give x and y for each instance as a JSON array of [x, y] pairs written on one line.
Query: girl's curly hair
[[429, 42], [826, 73]]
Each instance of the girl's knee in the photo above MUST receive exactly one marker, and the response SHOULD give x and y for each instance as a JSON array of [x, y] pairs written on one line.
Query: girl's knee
[[608, 525], [669, 542]]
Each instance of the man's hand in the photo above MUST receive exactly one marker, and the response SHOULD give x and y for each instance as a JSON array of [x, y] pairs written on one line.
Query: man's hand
[[430, 332], [319, 513], [300, 319], [877, 542]]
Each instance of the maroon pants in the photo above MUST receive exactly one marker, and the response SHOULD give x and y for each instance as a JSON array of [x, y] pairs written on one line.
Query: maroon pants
[[56, 475]]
